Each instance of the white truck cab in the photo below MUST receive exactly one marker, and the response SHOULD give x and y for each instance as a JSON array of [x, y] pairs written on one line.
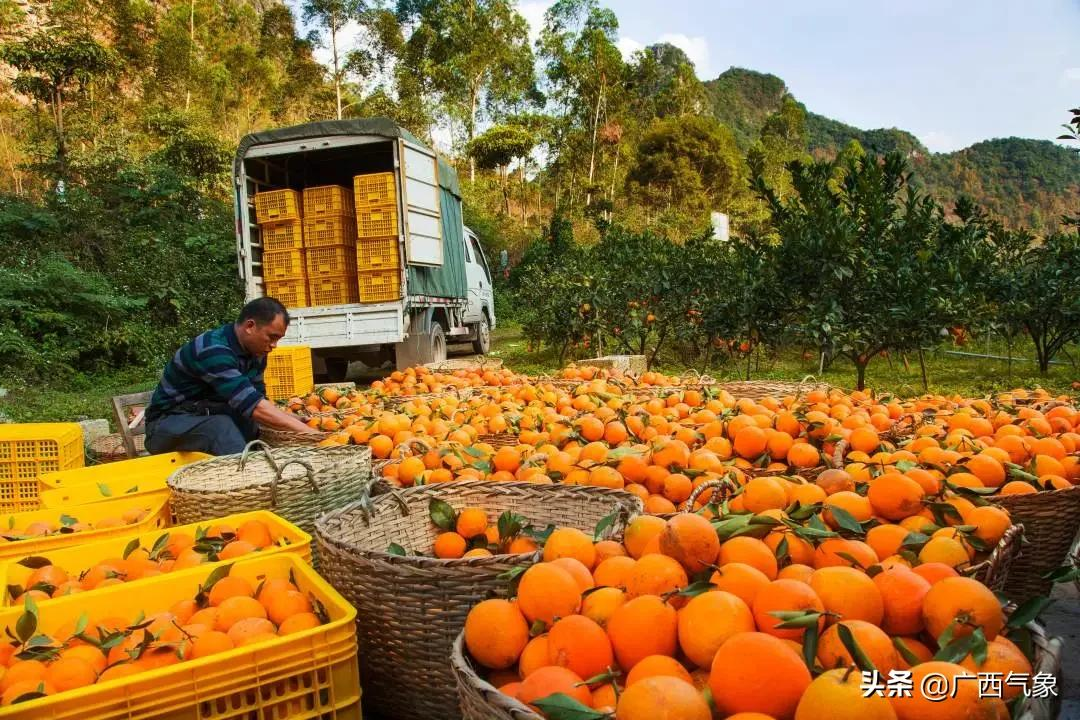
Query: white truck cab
[[445, 279]]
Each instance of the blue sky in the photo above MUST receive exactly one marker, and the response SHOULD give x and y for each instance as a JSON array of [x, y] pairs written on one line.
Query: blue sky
[[952, 72]]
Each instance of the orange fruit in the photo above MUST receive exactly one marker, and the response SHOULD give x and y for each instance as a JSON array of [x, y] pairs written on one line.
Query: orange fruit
[[849, 593], [963, 703], [749, 551], [24, 671], [764, 493], [691, 540], [756, 672], [799, 572], [299, 622], [853, 503], [886, 539], [579, 572], [872, 640], [639, 532], [244, 632], [580, 644], [655, 574], [838, 695], [449, 546], [742, 580], [471, 522], [547, 592], [657, 666], [946, 550], [24, 687], [229, 586], [88, 653], [662, 697], [496, 633], [600, 604], [894, 496], [235, 609], [828, 554], [613, 571], [534, 656], [784, 596], [902, 593], [69, 673], [964, 604], [750, 442], [210, 643], [934, 572], [708, 621], [1002, 658], [550, 680], [255, 533], [641, 627], [573, 543]]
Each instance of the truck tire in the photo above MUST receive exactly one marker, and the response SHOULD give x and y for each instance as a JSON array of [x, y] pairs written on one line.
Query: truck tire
[[482, 344], [436, 344]]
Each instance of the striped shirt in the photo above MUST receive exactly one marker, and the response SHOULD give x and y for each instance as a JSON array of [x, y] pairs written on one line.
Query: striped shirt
[[215, 367]]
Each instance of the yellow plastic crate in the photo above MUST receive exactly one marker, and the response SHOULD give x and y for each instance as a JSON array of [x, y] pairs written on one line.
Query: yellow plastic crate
[[374, 189], [379, 285], [76, 560], [288, 372], [328, 200], [326, 230], [309, 674], [158, 517], [376, 221], [275, 205], [332, 260], [279, 236], [378, 254], [99, 492], [291, 293], [333, 290], [151, 467], [288, 265], [30, 450]]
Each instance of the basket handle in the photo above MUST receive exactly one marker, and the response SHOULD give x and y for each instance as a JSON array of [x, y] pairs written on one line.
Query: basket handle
[[308, 471], [838, 454], [265, 450], [725, 485]]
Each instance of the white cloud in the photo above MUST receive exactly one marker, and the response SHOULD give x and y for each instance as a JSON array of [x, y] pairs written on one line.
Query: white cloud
[[1071, 74], [696, 48], [628, 46], [938, 141], [533, 12]]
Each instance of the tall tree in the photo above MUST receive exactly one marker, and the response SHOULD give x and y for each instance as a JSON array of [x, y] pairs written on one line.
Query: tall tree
[[54, 67], [332, 16]]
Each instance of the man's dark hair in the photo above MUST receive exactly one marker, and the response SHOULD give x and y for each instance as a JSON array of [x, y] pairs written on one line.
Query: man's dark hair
[[263, 310]]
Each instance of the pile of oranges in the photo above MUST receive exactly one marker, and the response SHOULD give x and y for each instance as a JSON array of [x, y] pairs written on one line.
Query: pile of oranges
[[171, 551], [68, 524], [228, 612], [469, 534], [677, 622]]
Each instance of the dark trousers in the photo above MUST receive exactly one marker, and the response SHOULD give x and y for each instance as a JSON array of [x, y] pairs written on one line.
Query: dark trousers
[[220, 434]]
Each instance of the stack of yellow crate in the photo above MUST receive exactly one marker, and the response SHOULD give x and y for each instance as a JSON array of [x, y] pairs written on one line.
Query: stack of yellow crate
[[288, 372], [279, 215], [377, 256], [330, 245]]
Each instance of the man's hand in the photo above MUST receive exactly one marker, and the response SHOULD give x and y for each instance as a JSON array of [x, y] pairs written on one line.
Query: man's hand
[[268, 414]]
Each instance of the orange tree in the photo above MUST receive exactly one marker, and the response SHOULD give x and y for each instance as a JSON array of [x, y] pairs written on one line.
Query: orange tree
[[854, 240]]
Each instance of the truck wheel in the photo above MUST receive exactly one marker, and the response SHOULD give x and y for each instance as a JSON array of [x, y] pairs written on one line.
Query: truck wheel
[[437, 344], [482, 344]]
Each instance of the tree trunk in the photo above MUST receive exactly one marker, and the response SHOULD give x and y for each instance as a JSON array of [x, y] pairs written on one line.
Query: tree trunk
[[191, 53], [860, 373], [922, 367], [474, 91], [524, 199], [614, 175], [61, 145], [337, 70], [592, 150], [504, 172]]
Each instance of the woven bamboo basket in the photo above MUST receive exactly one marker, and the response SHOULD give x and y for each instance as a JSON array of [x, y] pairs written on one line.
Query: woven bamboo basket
[[993, 572], [410, 608], [1051, 520], [480, 700], [299, 484], [454, 364], [392, 402], [758, 389], [290, 438], [498, 440]]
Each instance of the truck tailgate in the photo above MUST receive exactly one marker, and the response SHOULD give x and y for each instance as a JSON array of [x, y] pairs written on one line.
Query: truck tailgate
[[345, 325]]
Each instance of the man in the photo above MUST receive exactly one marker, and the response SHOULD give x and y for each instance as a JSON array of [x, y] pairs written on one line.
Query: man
[[211, 397]]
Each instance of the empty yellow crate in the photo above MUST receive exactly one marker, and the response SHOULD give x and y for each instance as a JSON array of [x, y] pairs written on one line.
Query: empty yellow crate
[[331, 290], [287, 538], [328, 200], [156, 506], [326, 230], [288, 372], [377, 254], [332, 260], [274, 205], [285, 235], [374, 189], [151, 467], [311, 673], [288, 265], [376, 221], [379, 285], [30, 450], [291, 293]]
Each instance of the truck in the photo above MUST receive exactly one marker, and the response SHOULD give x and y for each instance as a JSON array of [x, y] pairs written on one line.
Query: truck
[[446, 281]]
